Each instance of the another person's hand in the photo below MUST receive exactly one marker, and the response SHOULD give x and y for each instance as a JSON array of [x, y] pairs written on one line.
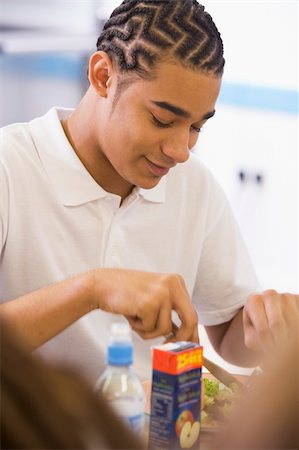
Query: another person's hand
[[266, 415], [269, 318], [147, 300]]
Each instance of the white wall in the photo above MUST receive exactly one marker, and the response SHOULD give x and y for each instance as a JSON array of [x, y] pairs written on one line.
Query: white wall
[[77, 15], [265, 144], [261, 51], [260, 40]]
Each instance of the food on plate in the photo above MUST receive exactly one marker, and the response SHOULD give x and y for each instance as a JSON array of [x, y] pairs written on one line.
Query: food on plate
[[217, 401]]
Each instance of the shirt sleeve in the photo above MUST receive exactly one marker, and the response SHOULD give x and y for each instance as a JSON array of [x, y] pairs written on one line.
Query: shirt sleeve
[[4, 190], [225, 274]]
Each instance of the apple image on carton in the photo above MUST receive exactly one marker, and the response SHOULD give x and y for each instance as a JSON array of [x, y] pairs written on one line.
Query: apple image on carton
[[189, 434], [185, 416], [187, 429]]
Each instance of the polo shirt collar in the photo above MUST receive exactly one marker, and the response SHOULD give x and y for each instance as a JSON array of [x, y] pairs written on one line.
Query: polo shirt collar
[[70, 179]]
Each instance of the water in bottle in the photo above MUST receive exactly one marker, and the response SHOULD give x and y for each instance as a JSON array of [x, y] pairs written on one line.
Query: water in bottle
[[119, 384]]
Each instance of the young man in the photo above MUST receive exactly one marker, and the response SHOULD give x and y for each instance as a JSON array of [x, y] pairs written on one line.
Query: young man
[[111, 189]]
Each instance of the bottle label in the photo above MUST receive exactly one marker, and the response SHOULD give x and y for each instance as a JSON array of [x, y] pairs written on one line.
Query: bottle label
[[132, 413], [136, 423]]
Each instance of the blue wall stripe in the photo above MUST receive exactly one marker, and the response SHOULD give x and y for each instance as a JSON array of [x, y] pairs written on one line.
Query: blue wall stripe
[[62, 66], [252, 96], [65, 66]]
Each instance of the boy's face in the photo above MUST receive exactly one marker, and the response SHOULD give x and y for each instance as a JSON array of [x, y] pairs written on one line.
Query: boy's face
[[154, 124]]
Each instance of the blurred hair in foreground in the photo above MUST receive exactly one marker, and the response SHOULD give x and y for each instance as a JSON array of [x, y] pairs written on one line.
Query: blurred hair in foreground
[[44, 407]]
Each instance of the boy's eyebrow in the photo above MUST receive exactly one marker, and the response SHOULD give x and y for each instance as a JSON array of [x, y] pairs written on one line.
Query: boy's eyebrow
[[179, 111]]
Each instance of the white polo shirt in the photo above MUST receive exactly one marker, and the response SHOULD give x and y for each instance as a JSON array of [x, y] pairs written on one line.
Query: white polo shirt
[[56, 221]]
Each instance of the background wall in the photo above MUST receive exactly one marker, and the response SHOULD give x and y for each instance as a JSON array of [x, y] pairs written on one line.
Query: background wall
[[250, 145], [44, 50]]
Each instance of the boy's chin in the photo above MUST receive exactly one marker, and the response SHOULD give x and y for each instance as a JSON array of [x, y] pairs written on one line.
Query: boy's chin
[[150, 184]]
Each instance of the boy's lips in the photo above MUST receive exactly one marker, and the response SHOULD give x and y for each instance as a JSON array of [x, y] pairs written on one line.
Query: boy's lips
[[158, 170]]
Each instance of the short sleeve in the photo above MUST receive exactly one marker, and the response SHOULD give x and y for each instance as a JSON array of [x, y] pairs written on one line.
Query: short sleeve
[[4, 202], [225, 274]]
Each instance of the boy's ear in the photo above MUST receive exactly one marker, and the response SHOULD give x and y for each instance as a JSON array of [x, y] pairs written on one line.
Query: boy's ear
[[100, 72]]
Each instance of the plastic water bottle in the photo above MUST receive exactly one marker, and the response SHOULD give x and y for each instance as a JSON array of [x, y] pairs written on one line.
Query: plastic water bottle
[[119, 384]]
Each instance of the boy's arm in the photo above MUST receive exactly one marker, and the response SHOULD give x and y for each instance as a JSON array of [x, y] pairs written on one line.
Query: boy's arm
[[146, 299]]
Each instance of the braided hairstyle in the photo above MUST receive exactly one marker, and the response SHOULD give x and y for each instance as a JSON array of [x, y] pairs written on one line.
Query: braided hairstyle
[[141, 33]]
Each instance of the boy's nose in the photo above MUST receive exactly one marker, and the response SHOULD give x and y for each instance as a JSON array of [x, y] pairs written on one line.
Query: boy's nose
[[177, 148]]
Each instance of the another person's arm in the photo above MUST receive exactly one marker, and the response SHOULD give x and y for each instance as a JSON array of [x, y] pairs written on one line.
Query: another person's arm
[[265, 320], [267, 415], [146, 299]]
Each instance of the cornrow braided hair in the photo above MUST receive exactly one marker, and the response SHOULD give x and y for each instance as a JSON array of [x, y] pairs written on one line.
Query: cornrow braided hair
[[141, 33]]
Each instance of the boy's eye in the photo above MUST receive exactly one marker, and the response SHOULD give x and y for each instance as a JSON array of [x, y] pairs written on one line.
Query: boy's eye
[[196, 129], [169, 124], [161, 124]]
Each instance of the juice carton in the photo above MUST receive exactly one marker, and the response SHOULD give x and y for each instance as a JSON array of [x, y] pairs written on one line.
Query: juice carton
[[176, 396]]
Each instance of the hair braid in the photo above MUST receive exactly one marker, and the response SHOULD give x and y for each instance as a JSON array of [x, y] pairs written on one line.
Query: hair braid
[[141, 33]]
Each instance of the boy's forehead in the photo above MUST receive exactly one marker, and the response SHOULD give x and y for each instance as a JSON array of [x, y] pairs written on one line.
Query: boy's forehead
[[189, 91]]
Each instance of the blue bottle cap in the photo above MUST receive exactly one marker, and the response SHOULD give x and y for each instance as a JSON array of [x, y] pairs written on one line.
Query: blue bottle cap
[[120, 354]]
